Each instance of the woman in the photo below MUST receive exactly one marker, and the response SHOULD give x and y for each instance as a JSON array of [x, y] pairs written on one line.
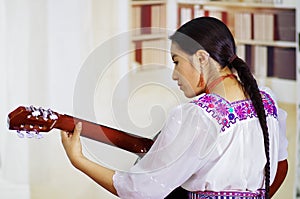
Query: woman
[[230, 142]]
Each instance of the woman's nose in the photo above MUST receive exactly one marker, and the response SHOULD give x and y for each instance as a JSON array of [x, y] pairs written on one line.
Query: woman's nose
[[175, 75]]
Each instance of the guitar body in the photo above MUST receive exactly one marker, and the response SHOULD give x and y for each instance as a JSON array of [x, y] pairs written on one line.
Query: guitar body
[[178, 193], [33, 121]]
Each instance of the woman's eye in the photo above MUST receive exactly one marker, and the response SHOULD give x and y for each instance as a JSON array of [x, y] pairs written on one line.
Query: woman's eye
[[175, 62]]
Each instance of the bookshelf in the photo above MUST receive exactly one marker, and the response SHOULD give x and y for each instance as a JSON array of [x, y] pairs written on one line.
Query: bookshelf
[[265, 35], [148, 35]]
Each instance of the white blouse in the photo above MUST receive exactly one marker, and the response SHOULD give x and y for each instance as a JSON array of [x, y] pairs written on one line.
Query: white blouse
[[208, 144]]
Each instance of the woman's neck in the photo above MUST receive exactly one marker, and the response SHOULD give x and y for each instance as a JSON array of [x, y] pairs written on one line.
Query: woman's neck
[[218, 81], [226, 85]]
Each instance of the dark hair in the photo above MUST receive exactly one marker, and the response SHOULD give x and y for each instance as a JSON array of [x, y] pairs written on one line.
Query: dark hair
[[213, 35]]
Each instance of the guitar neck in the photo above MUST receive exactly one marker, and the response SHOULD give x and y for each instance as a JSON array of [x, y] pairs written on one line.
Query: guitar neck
[[132, 143]]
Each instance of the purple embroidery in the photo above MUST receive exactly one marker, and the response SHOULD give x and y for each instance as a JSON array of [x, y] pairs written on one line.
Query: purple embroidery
[[222, 109], [227, 113], [241, 112]]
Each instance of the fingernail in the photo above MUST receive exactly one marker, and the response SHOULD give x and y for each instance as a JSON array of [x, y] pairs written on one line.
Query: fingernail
[[79, 125]]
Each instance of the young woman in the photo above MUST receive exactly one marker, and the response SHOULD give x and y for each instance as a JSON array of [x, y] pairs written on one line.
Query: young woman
[[228, 143]]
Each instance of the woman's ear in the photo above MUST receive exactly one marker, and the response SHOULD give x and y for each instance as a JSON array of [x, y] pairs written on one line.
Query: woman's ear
[[202, 56]]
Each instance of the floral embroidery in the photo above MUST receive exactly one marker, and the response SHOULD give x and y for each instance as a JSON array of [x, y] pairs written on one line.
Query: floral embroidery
[[227, 113]]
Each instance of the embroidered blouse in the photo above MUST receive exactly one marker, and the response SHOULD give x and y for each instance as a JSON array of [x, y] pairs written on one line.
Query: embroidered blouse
[[208, 144]]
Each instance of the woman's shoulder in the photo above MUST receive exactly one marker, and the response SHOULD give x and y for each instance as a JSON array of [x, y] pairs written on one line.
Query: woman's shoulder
[[188, 112], [268, 93], [192, 107], [270, 101], [187, 109]]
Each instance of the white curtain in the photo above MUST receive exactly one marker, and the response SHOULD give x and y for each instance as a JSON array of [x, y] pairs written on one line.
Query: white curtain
[[43, 44], [15, 67]]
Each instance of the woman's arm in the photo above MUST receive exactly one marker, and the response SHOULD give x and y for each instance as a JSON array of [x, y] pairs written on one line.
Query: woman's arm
[[72, 145], [280, 176]]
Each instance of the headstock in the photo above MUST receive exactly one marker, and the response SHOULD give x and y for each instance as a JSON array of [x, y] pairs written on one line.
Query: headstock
[[32, 121]]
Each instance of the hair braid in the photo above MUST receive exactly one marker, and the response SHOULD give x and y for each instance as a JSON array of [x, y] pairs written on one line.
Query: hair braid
[[251, 89]]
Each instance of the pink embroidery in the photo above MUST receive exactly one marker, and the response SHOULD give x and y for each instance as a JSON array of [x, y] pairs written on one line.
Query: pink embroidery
[[227, 113], [259, 194]]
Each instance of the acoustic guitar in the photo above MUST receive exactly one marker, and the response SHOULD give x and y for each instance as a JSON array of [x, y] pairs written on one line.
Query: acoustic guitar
[[31, 122]]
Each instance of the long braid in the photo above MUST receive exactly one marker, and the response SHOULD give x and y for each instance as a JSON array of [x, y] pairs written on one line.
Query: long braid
[[251, 89]]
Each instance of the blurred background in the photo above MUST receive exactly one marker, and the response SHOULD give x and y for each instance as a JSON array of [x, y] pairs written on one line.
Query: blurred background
[[100, 61]]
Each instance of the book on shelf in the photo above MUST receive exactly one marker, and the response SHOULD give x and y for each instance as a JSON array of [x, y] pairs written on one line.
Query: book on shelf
[[198, 11], [188, 12], [146, 16], [263, 26], [153, 52], [241, 51], [158, 16], [282, 63], [285, 23], [221, 15], [279, 26], [243, 25], [136, 18], [249, 57], [246, 53], [268, 61], [185, 15], [137, 49], [260, 64], [150, 52]]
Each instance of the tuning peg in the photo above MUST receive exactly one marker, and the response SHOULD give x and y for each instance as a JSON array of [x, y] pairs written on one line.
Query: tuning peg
[[52, 115], [20, 134], [35, 111], [29, 134], [39, 136], [45, 115]]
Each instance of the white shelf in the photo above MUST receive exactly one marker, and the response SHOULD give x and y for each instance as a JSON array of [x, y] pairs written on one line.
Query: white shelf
[[239, 4], [144, 37], [152, 2], [283, 44]]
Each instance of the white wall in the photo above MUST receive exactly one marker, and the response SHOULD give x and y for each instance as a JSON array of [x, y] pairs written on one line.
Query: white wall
[[43, 47]]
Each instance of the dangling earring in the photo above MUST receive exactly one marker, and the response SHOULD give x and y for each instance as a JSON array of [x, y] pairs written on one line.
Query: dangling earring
[[201, 81], [202, 85]]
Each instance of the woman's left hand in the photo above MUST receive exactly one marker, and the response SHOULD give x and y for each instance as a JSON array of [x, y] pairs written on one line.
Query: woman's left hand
[[101, 175], [72, 145]]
